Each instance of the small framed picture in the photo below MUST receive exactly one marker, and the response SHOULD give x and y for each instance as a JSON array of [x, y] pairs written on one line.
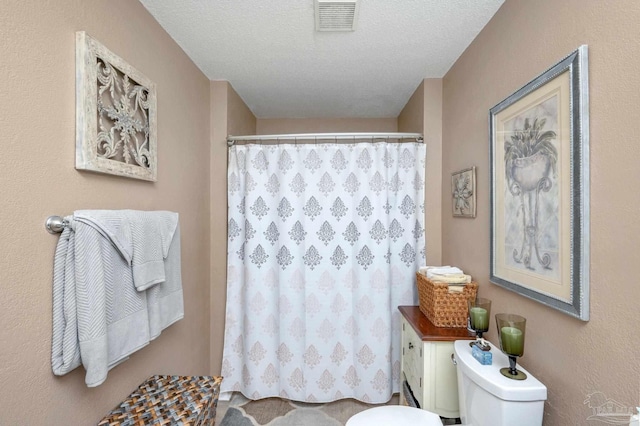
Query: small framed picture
[[463, 193]]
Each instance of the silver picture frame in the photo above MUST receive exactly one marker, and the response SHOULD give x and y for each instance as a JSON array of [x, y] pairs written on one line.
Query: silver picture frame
[[539, 146]]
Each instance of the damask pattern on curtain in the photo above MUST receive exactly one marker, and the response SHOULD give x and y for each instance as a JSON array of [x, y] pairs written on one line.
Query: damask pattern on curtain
[[323, 244]]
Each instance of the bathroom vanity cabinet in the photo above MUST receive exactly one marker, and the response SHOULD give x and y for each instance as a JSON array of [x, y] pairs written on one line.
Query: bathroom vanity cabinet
[[426, 364]]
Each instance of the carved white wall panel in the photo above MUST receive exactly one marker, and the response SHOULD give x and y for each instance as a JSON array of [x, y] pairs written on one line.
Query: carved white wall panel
[[116, 114]]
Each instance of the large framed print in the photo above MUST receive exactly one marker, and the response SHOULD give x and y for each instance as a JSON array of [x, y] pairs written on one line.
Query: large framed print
[[540, 188]]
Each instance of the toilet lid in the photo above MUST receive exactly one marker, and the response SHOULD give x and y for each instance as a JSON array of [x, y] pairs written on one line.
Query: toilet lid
[[394, 415]]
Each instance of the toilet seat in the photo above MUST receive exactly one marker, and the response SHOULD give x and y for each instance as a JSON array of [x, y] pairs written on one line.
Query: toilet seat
[[394, 415]]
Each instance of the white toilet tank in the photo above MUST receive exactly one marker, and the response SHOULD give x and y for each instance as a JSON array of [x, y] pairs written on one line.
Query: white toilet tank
[[487, 398]]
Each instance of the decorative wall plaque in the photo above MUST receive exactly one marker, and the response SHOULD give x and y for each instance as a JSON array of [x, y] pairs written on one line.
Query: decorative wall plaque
[[115, 114], [463, 193]]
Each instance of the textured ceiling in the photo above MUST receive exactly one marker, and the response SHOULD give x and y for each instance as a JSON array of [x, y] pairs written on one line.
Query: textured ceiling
[[282, 68]]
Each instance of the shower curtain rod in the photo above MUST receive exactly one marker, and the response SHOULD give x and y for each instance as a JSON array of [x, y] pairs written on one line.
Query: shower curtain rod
[[231, 140]]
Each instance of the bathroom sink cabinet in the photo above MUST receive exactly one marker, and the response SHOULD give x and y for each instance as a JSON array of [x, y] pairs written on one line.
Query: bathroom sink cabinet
[[426, 363]]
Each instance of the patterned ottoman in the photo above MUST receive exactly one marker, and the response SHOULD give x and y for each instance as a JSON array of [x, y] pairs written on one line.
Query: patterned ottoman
[[169, 400]]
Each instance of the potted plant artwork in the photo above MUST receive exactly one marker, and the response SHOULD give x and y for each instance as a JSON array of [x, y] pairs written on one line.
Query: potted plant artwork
[[530, 157], [539, 193]]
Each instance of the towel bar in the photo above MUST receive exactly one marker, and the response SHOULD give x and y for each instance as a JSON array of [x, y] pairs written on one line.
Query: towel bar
[[55, 224]]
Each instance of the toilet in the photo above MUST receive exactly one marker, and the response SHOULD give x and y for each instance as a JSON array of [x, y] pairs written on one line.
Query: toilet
[[487, 398], [394, 415]]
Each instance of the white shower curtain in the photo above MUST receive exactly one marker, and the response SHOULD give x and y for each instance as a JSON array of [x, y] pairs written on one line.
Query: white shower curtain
[[323, 244]]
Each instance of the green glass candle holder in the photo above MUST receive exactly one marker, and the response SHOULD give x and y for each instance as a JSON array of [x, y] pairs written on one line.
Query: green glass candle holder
[[511, 333], [478, 320]]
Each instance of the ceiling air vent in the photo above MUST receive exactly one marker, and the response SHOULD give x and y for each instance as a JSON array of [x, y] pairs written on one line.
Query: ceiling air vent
[[336, 15]]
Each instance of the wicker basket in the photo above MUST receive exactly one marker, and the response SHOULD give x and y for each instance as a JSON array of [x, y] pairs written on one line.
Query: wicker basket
[[165, 400], [444, 309]]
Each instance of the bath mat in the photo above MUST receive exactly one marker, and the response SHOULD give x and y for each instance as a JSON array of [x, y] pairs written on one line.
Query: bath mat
[[281, 412]]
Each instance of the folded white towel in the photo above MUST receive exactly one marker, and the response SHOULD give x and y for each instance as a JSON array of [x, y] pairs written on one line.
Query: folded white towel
[[450, 278], [445, 274], [429, 271], [65, 350], [165, 301], [443, 270], [142, 237], [99, 317], [111, 318]]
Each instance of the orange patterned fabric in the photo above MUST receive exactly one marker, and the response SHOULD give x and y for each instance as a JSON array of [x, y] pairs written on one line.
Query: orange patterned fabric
[[169, 400]]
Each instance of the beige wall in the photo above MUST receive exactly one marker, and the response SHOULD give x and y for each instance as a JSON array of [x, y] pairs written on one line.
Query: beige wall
[[275, 126], [38, 179], [571, 357], [240, 119], [411, 118], [218, 208], [229, 116], [423, 114]]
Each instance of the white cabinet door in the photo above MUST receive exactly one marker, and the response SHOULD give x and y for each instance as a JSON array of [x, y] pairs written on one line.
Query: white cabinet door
[[429, 372], [444, 397], [412, 361]]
